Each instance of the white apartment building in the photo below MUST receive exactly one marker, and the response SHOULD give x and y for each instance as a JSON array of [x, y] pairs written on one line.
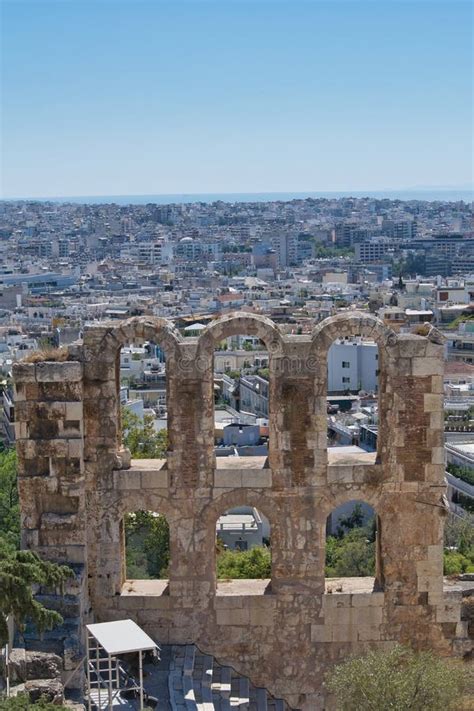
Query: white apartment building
[[150, 252], [353, 365]]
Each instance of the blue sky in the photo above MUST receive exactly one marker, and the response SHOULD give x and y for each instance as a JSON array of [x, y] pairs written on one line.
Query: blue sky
[[118, 97]]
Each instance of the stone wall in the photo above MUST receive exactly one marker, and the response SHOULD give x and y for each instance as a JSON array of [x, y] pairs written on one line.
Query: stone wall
[[77, 483]]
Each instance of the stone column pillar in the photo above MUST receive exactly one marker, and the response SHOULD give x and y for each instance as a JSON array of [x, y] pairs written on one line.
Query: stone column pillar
[[49, 432], [412, 541], [297, 428], [191, 410]]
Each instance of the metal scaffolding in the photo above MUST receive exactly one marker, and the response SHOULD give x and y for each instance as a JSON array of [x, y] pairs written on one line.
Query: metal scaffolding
[[107, 679]]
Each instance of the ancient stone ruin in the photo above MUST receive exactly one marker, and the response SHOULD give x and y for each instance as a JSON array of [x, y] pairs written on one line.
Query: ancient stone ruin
[[77, 483]]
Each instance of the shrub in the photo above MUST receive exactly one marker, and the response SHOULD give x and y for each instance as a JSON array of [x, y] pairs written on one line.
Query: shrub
[[455, 563], [400, 679], [254, 563], [58, 355], [21, 702]]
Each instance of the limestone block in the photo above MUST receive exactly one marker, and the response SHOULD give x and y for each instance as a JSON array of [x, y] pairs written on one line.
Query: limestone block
[[155, 479], [435, 553], [228, 478], [126, 479], [437, 383], [75, 448], [432, 403], [321, 633], [338, 474], [427, 366], [371, 615], [157, 602], [132, 602], [258, 478], [337, 600], [57, 372], [369, 633], [21, 430], [462, 629], [339, 615], [74, 410], [411, 345], [19, 392], [344, 633], [448, 612], [237, 616], [228, 602], [434, 350], [24, 372], [373, 599], [438, 455], [435, 473], [259, 617]]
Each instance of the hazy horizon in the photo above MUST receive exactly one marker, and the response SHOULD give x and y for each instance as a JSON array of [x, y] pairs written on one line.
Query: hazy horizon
[[433, 194]]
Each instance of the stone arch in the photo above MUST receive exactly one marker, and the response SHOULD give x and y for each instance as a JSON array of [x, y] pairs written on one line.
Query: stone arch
[[333, 500], [147, 328], [242, 323], [136, 501], [352, 323], [358, 323], [233, 499]]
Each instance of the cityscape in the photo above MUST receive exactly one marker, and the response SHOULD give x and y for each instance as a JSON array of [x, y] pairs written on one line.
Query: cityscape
[[236, 355]]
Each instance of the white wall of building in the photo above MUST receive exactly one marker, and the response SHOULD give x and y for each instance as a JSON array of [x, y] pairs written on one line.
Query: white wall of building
[[353, 365]]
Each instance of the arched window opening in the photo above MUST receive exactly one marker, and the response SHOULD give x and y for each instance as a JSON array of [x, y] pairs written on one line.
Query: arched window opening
[[243, 539], [241, 396], [147, 546], [353, 395], [142, 375], [353, 534]]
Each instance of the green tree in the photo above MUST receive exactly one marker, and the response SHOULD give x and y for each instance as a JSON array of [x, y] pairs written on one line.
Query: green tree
[[459, 545], [141, 438], [398, 680], [459, 532], [22, 702], [9, 505], [147, 538], [253, 563], [353, 520], [352, 555], [19, 571], [464, 473]]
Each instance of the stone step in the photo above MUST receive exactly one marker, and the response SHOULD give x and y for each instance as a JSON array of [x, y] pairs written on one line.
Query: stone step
[[189, 655], [244, 693], [261, 699], [226, 681], [197, 683], [188, 693]]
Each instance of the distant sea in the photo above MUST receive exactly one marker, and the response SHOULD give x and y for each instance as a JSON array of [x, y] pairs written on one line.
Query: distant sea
[[431, 195]]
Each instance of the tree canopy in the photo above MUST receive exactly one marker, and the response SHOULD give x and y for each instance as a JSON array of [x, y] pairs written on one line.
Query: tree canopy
[[147, 538], [141, 437], [399, 679], [20, 570], [253, 563]]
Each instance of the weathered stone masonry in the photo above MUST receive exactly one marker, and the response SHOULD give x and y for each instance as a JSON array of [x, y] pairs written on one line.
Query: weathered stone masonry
[[76, 484]]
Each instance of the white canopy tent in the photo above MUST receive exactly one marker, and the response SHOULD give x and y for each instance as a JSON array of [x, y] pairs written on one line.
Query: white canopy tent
[[106, 641]]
